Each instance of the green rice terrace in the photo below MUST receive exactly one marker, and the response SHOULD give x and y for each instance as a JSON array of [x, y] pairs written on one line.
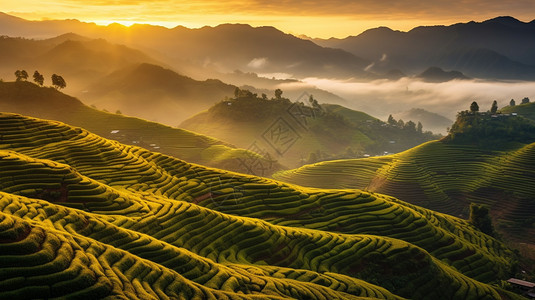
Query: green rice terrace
[[86, 217], [496, 168], [41, 102]]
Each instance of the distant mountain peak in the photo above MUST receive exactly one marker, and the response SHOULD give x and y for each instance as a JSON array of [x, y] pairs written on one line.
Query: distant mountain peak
[[436, 74], [379, 30], [505, 20]]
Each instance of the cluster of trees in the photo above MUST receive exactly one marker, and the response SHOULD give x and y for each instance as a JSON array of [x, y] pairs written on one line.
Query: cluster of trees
[[480, 218], [57, 81], [491, 130], [474, 107], [525, 100], [410, 125]]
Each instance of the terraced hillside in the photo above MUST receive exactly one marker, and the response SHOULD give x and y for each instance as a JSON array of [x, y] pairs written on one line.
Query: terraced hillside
[[82, 216], [445, 177], [29, 99], [296, 133]]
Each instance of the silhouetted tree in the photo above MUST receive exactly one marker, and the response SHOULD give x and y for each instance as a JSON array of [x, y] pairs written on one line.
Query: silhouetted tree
[[525, 100], [411, 126], [401, 124], [392, 121], [21, 75], [264, 96], [58, 82], [38, 78], [419, 127], [512, 102], [278, 94], [480, 218], [236, 92], [474, 107], [494, 107]]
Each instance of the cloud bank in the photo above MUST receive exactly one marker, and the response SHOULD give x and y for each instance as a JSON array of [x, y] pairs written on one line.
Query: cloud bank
[[381, 98]]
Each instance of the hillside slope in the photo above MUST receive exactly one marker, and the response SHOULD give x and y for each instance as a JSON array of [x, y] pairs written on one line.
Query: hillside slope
[[155, 93], [430, 121], [29, 99], [78, 59], [299, 132], [526, 110], [82, 216], [490, 164]]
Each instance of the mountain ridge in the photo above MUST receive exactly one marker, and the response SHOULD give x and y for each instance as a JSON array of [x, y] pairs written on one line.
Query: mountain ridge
[[423, 46]]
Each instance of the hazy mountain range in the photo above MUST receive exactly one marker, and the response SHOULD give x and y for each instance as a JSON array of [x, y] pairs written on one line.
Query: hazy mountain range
[[500, 48]]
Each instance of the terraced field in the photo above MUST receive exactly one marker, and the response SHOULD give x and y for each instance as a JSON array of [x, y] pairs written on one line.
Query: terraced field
[[444, 177], [29, 99], [82, 216]]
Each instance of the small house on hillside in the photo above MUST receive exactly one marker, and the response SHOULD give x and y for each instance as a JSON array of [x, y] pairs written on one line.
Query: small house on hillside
[[528, 287]]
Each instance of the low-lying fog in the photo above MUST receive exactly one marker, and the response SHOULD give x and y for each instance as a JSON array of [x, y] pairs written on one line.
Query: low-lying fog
[[383, 97]]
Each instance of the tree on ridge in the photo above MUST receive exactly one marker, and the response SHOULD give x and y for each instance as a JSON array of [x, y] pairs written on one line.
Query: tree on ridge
[[58, 82], [38, 78], [474, 107], [21, 75], [494, 107]]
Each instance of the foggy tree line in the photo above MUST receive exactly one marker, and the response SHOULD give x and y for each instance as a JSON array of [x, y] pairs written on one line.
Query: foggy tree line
[[524, 101], [57, 81], [474, 107], [410, 125]]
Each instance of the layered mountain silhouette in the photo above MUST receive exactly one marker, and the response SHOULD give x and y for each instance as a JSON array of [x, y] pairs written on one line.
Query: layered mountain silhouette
[[155, 93], [499, 48], [78, 59], [223, 48], [436, 74]]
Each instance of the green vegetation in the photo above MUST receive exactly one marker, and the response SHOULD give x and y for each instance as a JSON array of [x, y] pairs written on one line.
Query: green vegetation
[[30, 99], [490, 130], [82, 216], [486, 159], [525, 110], [480, 218], [296, 131]]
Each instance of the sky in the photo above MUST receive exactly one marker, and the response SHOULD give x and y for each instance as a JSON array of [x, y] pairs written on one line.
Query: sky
[[313, 18]]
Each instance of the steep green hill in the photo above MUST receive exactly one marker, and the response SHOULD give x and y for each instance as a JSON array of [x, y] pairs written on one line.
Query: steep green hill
[[484, 160], [86, 217], [29, 99], [295, 133]]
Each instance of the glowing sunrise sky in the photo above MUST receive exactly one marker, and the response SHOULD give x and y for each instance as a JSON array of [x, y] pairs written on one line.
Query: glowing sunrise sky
[[315, 18]]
